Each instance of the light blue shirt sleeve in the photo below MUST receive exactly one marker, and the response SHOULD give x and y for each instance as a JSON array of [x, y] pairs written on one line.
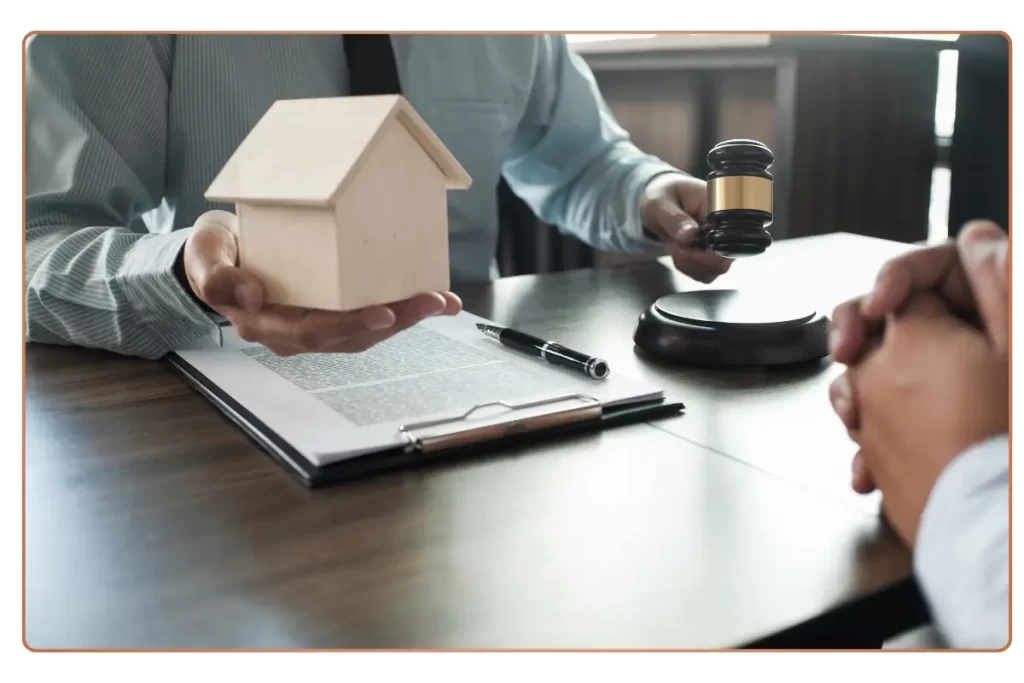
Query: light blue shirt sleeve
[[572, 163], [96, 117], [962, 554]]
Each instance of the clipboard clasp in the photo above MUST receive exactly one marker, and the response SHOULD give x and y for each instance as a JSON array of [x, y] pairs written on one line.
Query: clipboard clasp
[[590, 410]]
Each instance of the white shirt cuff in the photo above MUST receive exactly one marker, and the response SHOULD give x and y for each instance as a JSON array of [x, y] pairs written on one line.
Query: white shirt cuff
[[961, 556]]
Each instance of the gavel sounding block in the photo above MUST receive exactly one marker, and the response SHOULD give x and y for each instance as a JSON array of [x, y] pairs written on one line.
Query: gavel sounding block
[[719, 328]]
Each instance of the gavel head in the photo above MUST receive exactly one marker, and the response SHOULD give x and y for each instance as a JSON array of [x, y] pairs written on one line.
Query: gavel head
[[739, 199]]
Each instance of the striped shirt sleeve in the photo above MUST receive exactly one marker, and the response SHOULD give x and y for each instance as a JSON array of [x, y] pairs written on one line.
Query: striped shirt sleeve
[[96, 276]]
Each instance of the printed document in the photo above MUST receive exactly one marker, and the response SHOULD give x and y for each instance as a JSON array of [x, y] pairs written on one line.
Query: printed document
[[331, 406]]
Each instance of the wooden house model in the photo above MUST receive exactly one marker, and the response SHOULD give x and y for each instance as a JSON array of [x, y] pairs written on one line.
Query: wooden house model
[[342, 202]]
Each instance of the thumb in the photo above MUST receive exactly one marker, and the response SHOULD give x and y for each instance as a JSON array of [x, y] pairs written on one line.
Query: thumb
[[211, 257], [923, 305], [666, 219], [984, 252], [925, 313]]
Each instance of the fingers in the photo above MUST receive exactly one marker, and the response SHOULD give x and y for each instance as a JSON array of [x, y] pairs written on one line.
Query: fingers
[[287, 330], [989, 233], [308, 329], [861, 479], [211, 255], [840, 393], [984, 251], [850, 330], [844, 403], [453, 304], [227, 289], [664, 216], [921, 305], [923, 315], [703, 266], [941, 269], [845, 389], [935, 268], [409, 313], [666, 219]]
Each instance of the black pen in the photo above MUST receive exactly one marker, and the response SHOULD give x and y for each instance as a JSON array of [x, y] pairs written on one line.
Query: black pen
[[552, 352]]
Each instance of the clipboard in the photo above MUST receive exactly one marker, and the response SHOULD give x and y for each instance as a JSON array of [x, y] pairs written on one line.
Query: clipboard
[[447, 439]]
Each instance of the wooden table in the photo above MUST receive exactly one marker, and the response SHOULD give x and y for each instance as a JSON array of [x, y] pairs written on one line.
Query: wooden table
[[152, 522]]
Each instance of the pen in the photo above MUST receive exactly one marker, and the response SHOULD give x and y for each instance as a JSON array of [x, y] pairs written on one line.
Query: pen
[[549, 351]]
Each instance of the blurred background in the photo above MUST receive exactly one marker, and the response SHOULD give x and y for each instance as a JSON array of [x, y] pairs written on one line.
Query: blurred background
[[899, 136]]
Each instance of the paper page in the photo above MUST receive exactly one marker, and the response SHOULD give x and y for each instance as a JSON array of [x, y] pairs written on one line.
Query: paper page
[[332, 406]]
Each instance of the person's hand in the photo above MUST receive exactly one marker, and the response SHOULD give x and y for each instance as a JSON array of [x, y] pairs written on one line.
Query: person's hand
[[931, 386], [211, 267], [953, 271], [672, 208], [960, 273]]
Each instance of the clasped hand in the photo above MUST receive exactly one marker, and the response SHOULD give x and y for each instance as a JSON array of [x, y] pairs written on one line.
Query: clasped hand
[[928, 367]]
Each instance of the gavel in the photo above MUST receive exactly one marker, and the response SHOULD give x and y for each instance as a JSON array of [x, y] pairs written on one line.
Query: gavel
[[759, 326], [739, 200]]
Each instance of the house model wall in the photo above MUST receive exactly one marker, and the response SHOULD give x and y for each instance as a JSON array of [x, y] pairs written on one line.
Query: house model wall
[[342, 202]]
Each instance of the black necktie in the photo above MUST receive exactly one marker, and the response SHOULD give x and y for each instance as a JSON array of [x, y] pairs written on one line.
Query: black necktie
[[372, 70], [371, 64]]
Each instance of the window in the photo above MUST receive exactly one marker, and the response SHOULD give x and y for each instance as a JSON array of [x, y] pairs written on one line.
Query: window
[[945, 118]]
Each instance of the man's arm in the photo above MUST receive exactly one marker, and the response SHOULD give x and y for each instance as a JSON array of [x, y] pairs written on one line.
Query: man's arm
[[962, 552], [96, 132], [571, 162]]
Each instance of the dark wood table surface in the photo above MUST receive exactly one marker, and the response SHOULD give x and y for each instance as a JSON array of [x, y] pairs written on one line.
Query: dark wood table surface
[[153, 522]]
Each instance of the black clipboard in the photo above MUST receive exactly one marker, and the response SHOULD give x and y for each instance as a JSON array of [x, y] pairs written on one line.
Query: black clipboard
[[422, 450]]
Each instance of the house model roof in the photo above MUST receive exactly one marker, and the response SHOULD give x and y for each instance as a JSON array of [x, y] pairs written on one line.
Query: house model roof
[[306, 151]]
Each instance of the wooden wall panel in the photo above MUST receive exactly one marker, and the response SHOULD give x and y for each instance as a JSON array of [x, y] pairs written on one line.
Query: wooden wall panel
[[659, 109], [745, 104], [865, 143]]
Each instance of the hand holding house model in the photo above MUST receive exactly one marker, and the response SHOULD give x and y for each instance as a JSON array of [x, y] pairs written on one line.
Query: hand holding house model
[[313, 184]]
